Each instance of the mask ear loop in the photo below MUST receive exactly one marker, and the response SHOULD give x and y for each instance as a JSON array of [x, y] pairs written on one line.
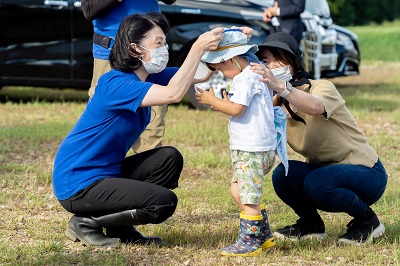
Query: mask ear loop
[[140, 58], [133, 52], [142, 47]]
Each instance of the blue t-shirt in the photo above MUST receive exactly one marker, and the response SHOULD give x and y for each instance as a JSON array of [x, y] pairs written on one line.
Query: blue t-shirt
[[108, 25], [110, 124]]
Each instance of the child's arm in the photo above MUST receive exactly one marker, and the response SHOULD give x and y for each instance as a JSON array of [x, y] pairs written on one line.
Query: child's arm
[[225, 106]]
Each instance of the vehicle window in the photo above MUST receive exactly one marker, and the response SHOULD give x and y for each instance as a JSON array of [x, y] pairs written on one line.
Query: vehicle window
[[318, 7], [266, 3], [22, 2]]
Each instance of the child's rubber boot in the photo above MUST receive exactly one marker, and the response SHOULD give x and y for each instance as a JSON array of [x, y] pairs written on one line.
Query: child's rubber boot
[[267, 240], [250, 237]]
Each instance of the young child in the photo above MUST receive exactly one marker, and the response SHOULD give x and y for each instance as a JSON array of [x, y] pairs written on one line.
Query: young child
[[252, 136]]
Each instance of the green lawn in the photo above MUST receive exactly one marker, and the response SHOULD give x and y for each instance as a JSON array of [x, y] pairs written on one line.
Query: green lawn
[[379, 42], [32, 222]]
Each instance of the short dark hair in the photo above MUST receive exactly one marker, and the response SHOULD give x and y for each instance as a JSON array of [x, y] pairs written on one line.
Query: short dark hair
[[133, 29]]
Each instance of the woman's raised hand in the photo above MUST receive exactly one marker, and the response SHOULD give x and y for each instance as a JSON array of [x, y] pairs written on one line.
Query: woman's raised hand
[[209, 40], [268, 78]]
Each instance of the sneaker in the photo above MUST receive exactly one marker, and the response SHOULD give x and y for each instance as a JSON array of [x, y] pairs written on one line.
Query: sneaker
[[300, 231], [362, 230]]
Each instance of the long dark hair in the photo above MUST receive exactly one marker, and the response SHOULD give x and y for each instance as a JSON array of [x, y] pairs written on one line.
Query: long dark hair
[[133, 29]]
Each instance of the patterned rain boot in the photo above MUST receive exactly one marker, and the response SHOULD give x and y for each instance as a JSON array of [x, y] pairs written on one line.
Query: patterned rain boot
[[267, 238], [250, 237]]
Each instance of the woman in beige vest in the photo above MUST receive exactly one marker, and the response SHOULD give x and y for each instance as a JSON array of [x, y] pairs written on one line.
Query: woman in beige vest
[[341, 171]]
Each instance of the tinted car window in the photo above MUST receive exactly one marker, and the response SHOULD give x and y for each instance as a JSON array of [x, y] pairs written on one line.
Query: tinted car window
[[37, 41]]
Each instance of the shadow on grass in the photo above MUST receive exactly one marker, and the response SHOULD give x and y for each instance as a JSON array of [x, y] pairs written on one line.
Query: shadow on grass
[[375, 97], [33, 94], [377, 89], [359, 96], [372, 105]]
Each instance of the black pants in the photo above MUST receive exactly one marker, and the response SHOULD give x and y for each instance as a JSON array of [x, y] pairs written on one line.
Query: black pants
[[145, 184]]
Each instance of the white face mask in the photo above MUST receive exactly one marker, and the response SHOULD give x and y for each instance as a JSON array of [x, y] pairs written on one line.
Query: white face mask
[[282, 73], [158, 61]]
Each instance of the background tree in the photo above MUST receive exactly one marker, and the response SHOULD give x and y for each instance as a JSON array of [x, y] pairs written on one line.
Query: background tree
[[362, 12]]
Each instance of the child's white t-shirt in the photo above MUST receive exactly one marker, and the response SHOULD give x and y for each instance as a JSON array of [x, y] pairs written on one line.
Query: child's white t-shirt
[[254, 130]]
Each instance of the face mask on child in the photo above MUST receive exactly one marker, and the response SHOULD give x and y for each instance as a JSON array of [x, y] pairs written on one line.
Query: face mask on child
[[282, 73], [159, 59]]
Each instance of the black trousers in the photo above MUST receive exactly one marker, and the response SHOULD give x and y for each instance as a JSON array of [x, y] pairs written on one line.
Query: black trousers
[[145, 184]]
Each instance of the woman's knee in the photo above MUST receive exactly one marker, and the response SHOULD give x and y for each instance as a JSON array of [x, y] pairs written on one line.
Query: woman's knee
[[168, 210], [173, 156], [172, 166], [161, 210], [277, 177]]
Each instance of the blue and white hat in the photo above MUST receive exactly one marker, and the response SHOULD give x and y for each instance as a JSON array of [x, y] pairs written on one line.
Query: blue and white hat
[[234, 43]]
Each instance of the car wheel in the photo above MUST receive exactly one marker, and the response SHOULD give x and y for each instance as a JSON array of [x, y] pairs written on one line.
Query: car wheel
[[218, 82]]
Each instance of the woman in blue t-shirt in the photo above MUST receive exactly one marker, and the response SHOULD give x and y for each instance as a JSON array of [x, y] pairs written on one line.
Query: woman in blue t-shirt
[[92, 178]]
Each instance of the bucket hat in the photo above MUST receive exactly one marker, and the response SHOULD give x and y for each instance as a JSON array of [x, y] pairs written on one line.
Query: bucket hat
[[283, 41], [234, 43]]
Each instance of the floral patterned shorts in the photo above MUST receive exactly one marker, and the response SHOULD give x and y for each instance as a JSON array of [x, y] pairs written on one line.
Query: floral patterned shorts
[[249, 171]]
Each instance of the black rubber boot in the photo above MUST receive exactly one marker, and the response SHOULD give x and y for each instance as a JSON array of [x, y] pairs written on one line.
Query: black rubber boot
[[120, 225], [88, 231], [118, 219]]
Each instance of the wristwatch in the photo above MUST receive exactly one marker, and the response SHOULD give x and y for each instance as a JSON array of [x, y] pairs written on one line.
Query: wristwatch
[[288, 89]]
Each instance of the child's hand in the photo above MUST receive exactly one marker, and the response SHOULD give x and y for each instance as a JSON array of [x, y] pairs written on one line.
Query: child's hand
[[268, 77], [205, 97]]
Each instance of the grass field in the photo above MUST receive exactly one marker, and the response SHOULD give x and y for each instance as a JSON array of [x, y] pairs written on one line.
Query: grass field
[[379, 42], [32, 222]]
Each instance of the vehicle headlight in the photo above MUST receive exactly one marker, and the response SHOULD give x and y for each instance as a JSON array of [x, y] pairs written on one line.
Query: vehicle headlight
[[344, 40]]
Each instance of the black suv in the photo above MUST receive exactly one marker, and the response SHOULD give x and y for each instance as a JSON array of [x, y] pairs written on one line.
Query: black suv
[[48, 43]]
